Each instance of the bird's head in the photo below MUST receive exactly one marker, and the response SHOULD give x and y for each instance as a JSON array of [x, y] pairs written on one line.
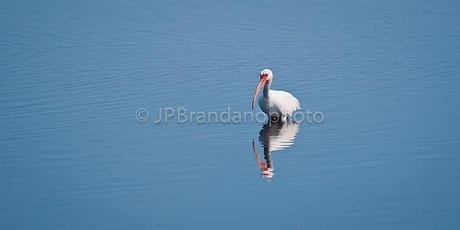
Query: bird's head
[[265, 76]]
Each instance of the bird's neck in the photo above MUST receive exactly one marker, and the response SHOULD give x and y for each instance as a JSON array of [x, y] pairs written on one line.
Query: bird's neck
[[267, 88]]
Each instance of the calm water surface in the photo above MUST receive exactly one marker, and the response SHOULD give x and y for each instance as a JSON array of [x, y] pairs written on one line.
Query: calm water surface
[[384, 73]]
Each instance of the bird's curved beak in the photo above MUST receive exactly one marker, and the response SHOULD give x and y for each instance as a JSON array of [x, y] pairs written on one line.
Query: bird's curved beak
[[259, 87]]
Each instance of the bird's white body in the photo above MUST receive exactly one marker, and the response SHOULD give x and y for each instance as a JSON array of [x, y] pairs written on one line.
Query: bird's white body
[[277, 104], [280, 104]]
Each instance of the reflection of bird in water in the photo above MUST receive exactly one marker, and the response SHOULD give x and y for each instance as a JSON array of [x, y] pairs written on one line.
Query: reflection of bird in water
[[274, 137]]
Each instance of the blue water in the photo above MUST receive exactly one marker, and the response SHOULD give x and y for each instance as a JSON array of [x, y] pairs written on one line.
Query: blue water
[[386, 75]]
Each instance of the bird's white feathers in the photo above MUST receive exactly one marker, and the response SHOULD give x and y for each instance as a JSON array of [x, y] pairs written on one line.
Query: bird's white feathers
[[281, 102]]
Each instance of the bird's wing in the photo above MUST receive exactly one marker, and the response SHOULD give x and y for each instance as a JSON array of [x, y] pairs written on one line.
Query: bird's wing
[[284, 101]]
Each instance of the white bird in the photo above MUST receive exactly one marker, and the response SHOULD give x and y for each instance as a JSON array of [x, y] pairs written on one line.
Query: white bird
[[277, 104]]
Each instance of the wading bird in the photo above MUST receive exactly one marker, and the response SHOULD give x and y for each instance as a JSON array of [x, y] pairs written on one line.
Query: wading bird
[[278, 105]]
